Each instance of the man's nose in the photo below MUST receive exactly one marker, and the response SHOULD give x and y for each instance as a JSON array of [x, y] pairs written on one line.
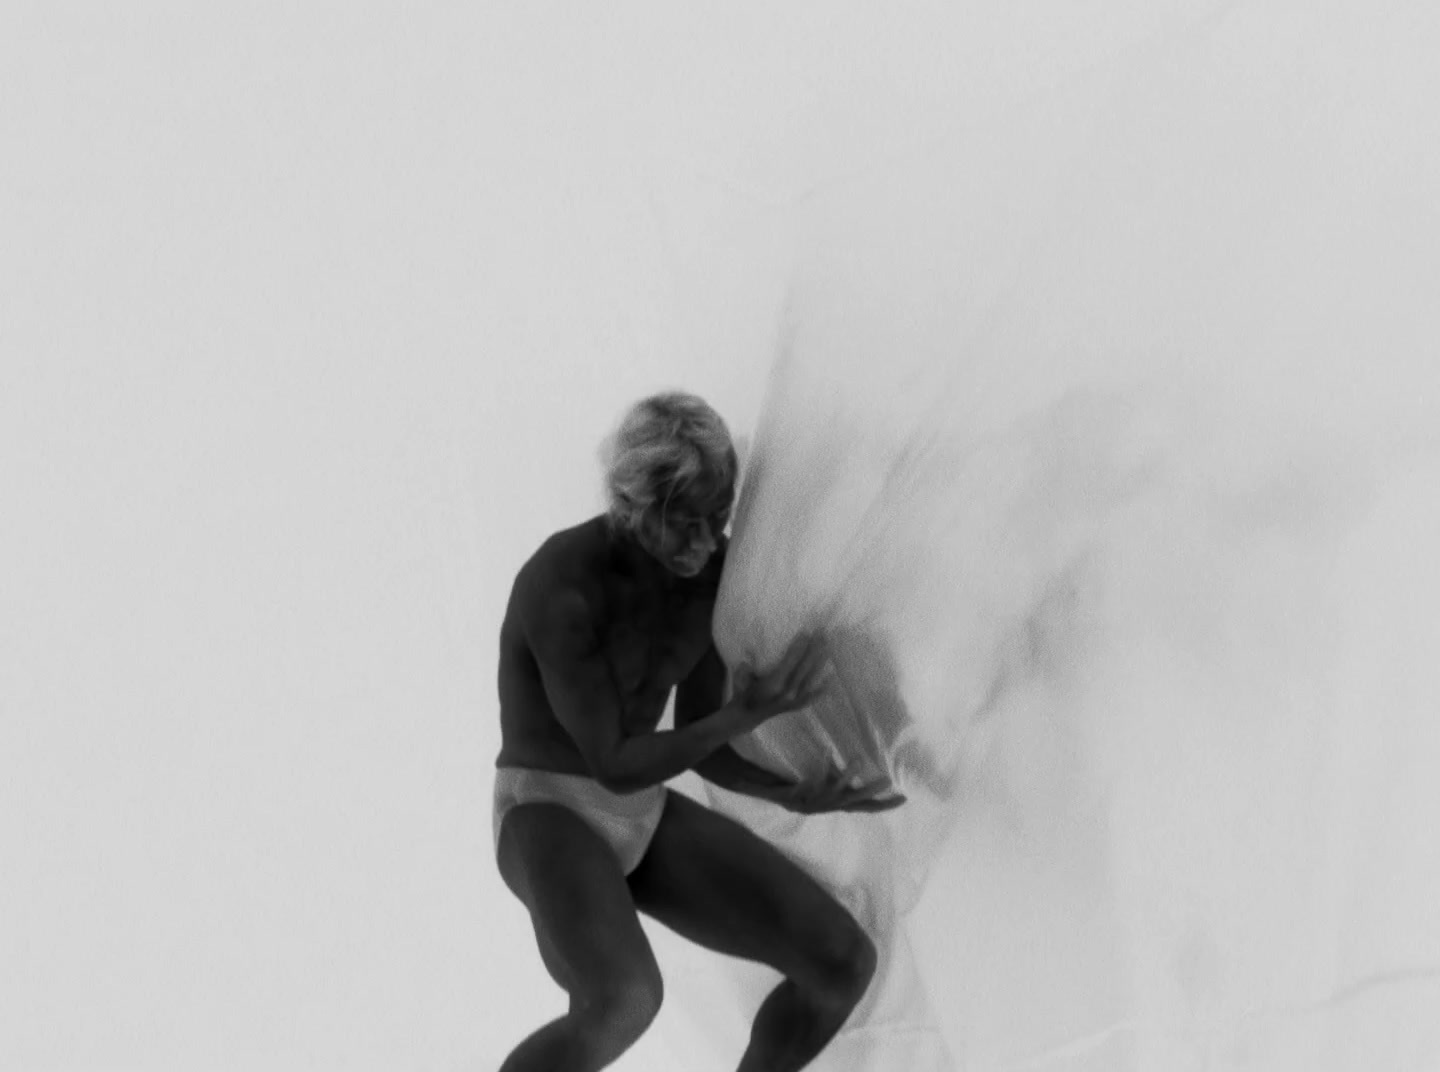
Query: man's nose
[[704, 539]]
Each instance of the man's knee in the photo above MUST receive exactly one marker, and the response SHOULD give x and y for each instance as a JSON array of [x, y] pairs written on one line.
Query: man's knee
[[617, 1013], [845, 966]]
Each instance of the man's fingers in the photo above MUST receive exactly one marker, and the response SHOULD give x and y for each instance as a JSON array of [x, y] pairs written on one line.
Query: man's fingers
[[793, 677], [871, 788], [810, 696], [877, 804], [836, 793], [810, 666], [867, 796], [800, 696], [866, 792], [805, 693], [794, 667], [793, 657]]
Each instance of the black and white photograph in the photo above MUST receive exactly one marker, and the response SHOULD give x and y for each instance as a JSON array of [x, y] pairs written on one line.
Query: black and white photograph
[[720, 537]]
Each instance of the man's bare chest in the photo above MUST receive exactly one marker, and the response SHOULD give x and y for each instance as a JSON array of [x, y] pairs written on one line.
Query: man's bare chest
[[652, 642]]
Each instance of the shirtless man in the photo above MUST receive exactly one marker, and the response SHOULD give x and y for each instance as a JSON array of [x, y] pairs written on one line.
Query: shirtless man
[[603, 621]]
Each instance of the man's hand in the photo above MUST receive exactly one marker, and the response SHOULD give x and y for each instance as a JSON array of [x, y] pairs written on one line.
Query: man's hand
[[796, 682], [838, 791]]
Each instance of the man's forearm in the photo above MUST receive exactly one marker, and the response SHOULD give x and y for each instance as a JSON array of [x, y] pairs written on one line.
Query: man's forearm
[[728, 769], [651, 758]]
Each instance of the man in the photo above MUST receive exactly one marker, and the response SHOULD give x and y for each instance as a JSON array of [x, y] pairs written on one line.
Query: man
[[603, 621]]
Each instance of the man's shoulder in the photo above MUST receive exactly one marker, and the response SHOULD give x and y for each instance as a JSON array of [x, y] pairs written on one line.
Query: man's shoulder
[[561, 581]]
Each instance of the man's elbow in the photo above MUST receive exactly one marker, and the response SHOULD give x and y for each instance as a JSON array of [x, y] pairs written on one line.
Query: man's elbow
[[624, 785], [614, 777]]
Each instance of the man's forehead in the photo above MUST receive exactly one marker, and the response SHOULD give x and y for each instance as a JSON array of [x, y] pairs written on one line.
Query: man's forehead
[[704, 502]]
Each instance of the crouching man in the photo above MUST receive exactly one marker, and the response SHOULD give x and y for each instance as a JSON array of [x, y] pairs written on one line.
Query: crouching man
[[604, 620]]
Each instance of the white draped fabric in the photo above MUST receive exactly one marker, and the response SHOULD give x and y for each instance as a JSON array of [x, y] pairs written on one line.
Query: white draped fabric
[[1102, 446]]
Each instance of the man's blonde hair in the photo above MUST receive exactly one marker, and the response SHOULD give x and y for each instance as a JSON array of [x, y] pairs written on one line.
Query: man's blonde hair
[[668, 445]]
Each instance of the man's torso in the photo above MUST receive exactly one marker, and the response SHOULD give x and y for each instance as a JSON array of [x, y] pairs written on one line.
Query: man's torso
[[652, 634]]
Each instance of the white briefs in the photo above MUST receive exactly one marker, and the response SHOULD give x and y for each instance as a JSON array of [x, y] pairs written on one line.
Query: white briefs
[[626, 821]]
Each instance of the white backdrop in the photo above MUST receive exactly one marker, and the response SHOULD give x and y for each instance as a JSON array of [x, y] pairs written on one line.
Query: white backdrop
[[311, 318]]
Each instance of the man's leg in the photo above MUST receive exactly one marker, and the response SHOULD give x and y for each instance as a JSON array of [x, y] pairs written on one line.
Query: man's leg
[[589, 937], [712, 881]]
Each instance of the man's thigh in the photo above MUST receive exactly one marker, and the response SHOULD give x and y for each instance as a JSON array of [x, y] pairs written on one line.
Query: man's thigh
[[583, 912], [716, 883]]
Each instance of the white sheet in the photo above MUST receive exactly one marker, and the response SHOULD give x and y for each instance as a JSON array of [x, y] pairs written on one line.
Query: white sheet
[[1103, 443]]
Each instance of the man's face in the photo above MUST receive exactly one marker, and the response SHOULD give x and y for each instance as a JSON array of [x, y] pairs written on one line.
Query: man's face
[[685, 533]]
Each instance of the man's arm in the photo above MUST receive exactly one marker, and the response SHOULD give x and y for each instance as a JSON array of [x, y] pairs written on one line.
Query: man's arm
[[700, 695], [568, 649], [702, 692]]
